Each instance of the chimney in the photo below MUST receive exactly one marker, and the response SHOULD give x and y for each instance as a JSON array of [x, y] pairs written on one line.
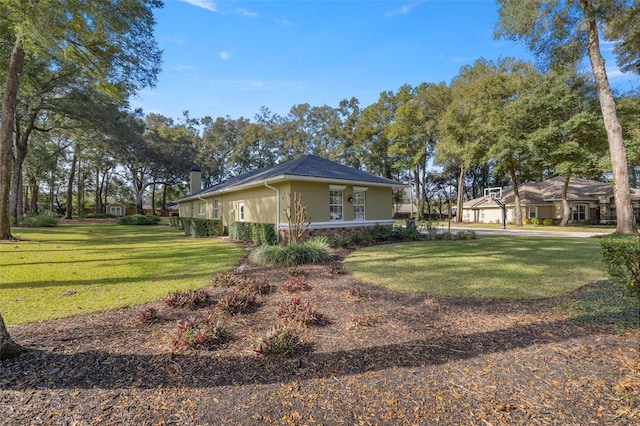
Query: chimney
[[195, 180]]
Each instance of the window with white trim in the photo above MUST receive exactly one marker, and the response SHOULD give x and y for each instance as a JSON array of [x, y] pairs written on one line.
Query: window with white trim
[[240, 212], [202, 208], [216, 209], [335, 204], [358, 200], [532, 213], [579, 212]]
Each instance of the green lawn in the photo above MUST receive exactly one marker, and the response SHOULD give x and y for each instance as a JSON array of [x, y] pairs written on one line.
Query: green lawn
[[490, 267], [80, 268]]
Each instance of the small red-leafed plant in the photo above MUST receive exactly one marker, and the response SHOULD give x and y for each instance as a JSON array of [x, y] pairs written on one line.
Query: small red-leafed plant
[[205, 333], [191, 299], [279, 340], [227, 279], [148, 314], [298, 311], [237, 302], [254, 286], [295, 284]]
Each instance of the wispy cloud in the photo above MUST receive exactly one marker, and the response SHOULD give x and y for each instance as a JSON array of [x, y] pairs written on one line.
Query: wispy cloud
[[205, 4], [284, 22], [245, 12], [403, 10], [224, 55]]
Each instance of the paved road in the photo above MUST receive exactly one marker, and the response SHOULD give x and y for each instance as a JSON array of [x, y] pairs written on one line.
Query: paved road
[[512, 230]]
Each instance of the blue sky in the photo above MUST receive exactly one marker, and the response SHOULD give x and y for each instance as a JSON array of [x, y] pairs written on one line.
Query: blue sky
[[229, 58]]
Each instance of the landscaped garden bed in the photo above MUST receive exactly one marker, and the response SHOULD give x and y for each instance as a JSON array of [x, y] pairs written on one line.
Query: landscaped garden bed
[[370, 356]]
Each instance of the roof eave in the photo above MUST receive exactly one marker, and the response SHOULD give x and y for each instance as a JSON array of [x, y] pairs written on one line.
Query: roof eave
[[283, 178]]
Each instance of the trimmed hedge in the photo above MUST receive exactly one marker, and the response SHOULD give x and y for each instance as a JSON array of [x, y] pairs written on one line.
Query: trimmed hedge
[[621, 255], [139, 219], [197, 227], [257, 233]]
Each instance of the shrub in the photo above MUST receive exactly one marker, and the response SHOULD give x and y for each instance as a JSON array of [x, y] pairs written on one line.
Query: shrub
[[315, 250], [446, 236], [40, 220], [187, 299], [535, 221], [227, 279], [467, 235], [148, 314], [298, 311], [295, 284], [409, 233], [340, 241], [296, 271], [254, 286], [263, 233], [547, 222], [199, 333], [278, 340], [198, 227], [237, 302], [526, 221], [101, 216], [139, 219], [240, 231], [621, 255]]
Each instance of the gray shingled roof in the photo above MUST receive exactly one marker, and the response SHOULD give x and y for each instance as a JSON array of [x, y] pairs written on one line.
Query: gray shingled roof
[[309, 167], [545, 192]]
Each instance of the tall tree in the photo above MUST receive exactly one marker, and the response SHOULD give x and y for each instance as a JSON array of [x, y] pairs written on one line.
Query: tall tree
[[564, 31], [111, 42]]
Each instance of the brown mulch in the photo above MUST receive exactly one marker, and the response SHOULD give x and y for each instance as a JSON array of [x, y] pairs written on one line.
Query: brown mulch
[[376, 357]]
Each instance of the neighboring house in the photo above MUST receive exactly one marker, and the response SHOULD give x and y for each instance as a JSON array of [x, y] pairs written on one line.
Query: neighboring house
[[335, 196], [590, 202]]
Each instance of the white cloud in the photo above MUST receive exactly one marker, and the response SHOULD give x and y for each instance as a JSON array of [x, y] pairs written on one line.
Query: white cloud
[[402, 11], [224, 55], [205, 4], [245, 12]]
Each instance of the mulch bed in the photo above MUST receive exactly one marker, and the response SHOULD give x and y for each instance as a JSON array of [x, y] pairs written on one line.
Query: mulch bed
[[376, 357]]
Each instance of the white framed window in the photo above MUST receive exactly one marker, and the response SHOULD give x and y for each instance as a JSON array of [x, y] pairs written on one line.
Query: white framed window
[[202, 208], [579, 212], [240, 212], [358, 200], [335, 204], [216, 209], [532, 212], [115, 210]]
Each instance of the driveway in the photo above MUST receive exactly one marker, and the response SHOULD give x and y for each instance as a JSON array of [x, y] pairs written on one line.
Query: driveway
[[513, 230]]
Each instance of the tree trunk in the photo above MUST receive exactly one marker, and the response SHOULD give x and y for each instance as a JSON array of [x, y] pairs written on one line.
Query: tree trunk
[[8, 348], [72, 173], [35, 195], [7, 123], [164, 200], [517, 216], [460, 195], [153, 198], [97, 200], [566, 212], [626, 223], [80, 190]]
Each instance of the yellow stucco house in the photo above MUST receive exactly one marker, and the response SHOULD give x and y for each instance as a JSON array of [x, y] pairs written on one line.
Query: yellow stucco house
[[336, 197]]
